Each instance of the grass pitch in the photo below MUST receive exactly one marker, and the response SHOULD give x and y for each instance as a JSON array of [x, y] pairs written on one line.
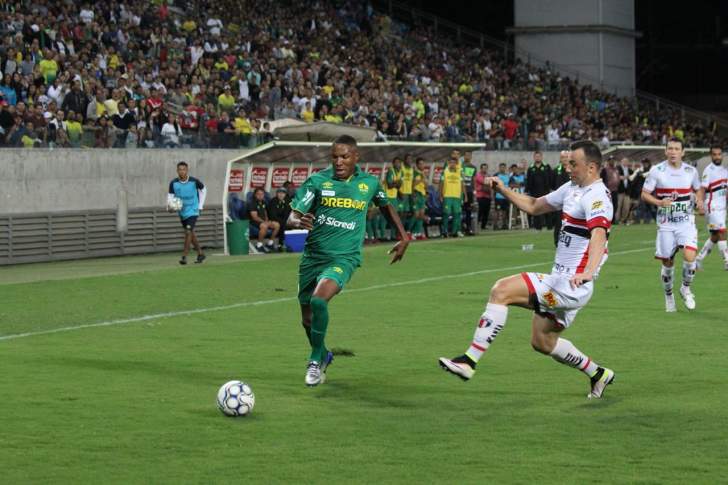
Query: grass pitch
[[131, 398]]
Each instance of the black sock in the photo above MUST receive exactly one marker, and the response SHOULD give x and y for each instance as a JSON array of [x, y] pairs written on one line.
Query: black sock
[[307, 328]]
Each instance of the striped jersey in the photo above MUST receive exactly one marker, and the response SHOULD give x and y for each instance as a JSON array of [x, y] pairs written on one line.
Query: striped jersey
[[715, 180], [677, 184], [583, 209]]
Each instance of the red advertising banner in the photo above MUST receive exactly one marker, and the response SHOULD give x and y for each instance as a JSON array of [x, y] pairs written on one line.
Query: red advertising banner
[[280, 176], [437, 174], [237, 178], [300, 174], [258, 177], [375, 170]]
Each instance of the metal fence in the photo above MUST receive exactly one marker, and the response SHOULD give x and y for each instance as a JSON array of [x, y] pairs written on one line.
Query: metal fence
[[31, 238]]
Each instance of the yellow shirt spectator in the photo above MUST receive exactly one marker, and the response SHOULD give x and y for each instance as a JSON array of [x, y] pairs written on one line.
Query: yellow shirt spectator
[[242, 126], [74, 130], [333, 118], [49, 70], [114, 62], [226, 101], [28, 142], [189, 25], [100, 109], [307, 116], [221, 65], [327, 89]]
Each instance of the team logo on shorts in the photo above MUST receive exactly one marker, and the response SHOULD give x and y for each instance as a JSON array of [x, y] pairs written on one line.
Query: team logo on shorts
[[550, 299], [596, 204], [363, 188], [327, 185], [338, 270], [712, 226]]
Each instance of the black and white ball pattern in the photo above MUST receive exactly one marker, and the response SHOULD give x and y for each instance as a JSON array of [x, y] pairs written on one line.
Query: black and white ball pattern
[[235, 398]]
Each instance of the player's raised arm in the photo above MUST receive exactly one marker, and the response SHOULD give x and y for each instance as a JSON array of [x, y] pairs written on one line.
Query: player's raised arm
[[526, 203]]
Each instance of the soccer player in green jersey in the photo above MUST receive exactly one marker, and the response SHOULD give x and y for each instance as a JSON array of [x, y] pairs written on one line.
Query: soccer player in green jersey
[[332, 206]]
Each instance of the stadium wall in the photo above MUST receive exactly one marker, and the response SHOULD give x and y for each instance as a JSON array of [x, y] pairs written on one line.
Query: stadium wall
[[47, 181], [42, 181]]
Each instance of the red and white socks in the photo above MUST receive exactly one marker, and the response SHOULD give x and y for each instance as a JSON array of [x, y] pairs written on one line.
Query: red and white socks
[[491, 323], [565, 353]]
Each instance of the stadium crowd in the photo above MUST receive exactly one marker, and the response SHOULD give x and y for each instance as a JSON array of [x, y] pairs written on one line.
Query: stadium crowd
[[199, 73]]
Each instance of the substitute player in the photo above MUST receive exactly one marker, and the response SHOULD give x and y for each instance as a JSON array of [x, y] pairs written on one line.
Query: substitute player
[[452, 190], [419, 197], [673, 183], [192, 192], [392, 183], [555, 298], [332, 205], [715, 179], [405, 193]]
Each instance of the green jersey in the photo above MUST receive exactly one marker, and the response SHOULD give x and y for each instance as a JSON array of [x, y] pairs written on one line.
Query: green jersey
[[340, 210]]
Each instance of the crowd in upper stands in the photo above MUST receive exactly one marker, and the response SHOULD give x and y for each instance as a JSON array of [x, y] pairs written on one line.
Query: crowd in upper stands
[[202, 73]]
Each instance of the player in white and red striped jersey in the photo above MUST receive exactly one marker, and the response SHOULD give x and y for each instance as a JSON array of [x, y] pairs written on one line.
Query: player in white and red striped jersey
[[715, 181], [670, 186], [556, 297]]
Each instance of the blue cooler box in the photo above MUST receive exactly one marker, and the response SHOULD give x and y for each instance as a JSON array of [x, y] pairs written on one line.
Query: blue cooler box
[[295, 239]]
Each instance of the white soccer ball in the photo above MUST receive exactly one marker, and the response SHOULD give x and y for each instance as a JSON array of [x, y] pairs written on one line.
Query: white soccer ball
[[175, 204], [235, 398]]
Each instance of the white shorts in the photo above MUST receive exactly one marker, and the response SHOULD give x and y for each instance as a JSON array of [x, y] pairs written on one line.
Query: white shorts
[[556, 298], [716, 221], [670, 240]]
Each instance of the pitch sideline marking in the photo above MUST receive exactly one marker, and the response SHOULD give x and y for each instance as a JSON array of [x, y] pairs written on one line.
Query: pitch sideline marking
[[157, 316]]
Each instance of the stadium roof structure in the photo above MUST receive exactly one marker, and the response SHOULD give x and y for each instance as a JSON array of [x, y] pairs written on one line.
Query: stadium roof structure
[[282, 151], [322, 131]]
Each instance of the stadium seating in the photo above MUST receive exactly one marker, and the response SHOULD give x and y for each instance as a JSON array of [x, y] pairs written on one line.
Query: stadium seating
[[221, 69]]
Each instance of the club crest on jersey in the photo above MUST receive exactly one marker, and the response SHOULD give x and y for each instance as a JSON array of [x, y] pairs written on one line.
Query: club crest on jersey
[[327, 185], [363, 188], [550, 299], [338, 270]]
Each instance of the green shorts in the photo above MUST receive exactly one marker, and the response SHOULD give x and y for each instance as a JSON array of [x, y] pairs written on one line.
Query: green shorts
[[310, 272], [404, 204], [418, 201]]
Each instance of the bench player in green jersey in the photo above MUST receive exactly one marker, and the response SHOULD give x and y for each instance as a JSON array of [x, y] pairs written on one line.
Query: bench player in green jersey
[[332, 205]]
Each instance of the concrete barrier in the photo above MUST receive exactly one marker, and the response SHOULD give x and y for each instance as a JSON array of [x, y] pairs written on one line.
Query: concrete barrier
[[41, 180]]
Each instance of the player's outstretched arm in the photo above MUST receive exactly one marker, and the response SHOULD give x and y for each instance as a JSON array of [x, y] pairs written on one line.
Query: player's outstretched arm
[[526, 203], [393, 219], [298, 220], [597, 244]]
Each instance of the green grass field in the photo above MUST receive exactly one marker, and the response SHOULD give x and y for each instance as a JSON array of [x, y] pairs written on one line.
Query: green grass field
[[134, 401]]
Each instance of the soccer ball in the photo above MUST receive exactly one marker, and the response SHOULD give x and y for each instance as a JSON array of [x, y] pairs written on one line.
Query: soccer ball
[[235, 398], [175, 204]]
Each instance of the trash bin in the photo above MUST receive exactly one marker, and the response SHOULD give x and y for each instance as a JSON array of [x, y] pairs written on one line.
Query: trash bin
[[237, 237], [295, 240]]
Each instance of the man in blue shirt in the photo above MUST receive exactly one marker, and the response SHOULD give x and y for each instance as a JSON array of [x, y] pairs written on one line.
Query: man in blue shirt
[[192, 193]]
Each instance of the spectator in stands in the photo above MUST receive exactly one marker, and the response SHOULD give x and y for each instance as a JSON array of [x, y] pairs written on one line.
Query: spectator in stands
[[278, 210], [644, 212], [171, 132], [483, 195], [538, 184], [623, 191], [261, 226]]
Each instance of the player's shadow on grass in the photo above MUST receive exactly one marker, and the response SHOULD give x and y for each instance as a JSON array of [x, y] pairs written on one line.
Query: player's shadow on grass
[[366, 393]]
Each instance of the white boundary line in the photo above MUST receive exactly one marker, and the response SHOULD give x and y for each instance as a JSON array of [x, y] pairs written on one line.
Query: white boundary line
[[244, 304]]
